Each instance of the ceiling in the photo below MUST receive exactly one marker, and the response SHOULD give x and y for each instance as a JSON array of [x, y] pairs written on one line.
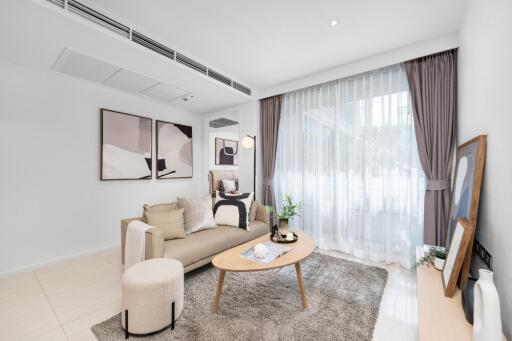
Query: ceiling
[[257, 43], [267, 42], [56, 40]]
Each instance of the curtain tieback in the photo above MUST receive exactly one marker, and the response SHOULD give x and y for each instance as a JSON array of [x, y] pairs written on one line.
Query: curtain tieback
[[438, 185], [267, 182]]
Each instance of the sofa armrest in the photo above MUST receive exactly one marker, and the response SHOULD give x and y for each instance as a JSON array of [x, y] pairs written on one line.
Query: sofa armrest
[[154, 247], [263, 215]]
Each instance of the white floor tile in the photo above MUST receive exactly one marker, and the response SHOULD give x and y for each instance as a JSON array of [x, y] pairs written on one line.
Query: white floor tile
[[72, 305], [80, 330], [113, 256], [55, 335], [28, 319], [23, 286], [79, 273], [398, 315], [79, 293]]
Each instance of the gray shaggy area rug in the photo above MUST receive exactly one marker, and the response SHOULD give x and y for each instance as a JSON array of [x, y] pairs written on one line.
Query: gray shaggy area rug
[[344, 300]]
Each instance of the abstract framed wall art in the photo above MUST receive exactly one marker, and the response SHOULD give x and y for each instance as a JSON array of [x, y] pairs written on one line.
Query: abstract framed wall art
[[125, 146], [465, 198], [174, 158], [226, 152]]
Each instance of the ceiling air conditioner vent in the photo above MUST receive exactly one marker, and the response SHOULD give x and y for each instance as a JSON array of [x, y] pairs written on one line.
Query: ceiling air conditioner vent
[[190, 63], [140, 39], [221, 78], [59, 3], [152, 45], [98, 18], [242, 88]]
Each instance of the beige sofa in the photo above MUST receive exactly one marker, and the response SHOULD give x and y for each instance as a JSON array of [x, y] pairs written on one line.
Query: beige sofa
[[198, 249]]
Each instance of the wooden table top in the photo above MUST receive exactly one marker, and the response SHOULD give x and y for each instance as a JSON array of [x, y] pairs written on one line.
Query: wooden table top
[[230, 260], [440, 318]]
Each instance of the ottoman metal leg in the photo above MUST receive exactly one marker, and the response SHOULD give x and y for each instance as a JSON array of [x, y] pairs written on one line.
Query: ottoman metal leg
[[172, 316], [126, 332]]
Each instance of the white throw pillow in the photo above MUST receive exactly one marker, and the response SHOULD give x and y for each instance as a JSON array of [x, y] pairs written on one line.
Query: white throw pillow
[[229, 185], [198, 213], [233, 209]]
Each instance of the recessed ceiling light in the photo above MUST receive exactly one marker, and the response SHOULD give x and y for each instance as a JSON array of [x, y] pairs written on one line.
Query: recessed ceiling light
[[333, 22]]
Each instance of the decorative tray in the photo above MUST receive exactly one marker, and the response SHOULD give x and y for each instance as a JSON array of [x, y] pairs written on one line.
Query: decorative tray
[[283, 240]]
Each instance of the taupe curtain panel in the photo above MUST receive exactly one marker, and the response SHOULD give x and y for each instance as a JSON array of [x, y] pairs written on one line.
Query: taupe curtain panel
[[433, 85], [270, 114]]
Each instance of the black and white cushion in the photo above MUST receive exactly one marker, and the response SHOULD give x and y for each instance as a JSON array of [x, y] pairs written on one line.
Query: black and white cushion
[[233, 209]]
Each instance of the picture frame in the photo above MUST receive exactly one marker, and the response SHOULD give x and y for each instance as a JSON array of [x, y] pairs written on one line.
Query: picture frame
[[174, 150], [125, 146], [223, 157], [469, 168], [462, 236]]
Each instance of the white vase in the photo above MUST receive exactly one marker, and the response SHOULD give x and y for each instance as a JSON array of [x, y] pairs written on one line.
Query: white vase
[[438, 263], [486, 313]]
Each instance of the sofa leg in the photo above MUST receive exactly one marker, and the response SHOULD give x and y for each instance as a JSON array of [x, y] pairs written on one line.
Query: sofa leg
[[126, 332], [172, 316]]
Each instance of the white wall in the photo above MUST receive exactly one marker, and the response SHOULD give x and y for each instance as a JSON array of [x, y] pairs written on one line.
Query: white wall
[[52, 203], [249, 124], [485, 74]]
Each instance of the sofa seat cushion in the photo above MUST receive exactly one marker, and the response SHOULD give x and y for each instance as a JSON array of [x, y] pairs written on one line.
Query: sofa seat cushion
[[237, 236], [197, 246]]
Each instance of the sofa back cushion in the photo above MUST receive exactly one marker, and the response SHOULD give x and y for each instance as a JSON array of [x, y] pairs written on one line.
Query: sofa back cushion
[[169, 221]]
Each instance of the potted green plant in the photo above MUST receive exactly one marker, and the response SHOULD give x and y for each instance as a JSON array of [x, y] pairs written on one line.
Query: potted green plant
[[289, 210], [435, 255]]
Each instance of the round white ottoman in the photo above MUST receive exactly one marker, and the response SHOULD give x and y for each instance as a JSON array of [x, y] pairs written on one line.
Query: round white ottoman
[[150, 289]]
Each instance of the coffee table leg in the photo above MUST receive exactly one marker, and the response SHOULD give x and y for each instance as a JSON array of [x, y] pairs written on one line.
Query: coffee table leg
[[222, 274], [301, 285]]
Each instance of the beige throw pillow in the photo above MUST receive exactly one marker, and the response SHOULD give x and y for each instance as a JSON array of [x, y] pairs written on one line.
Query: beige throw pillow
[[170, 222], [159, 208], [198, 213]]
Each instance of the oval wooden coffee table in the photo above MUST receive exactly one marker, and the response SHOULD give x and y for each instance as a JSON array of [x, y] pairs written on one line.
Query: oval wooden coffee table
[[230, 260]]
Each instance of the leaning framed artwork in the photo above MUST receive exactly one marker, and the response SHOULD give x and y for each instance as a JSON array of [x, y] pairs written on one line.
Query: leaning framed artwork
[[226, 152], [462, 236], [125, 146], [174, 157], [465, 198]]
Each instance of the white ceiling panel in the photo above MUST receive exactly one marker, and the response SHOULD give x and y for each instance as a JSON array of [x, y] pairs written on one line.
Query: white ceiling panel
[[165, 92], [130, 81], [80, 65], [83, 66], [50, 29]]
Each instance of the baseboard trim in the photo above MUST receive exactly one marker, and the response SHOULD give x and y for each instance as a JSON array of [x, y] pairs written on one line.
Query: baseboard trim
[[35, 266]]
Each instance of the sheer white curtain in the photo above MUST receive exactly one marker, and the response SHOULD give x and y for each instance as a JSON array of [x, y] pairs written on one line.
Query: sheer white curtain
[[347, 150]]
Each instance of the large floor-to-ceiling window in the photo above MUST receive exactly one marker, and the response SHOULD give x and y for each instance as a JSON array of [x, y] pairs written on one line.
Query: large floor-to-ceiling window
[[347, 150]]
